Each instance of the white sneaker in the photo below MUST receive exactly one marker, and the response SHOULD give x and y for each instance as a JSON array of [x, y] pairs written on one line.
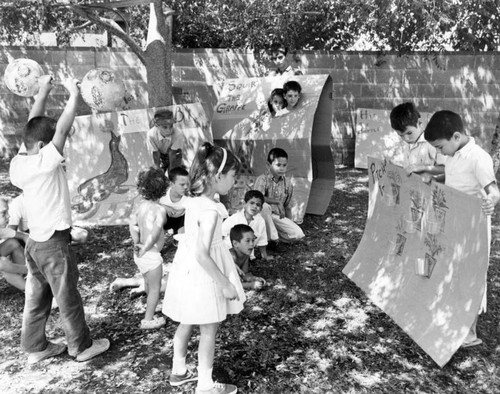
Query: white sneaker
[[98, 346], [52, 349], [156, 322]]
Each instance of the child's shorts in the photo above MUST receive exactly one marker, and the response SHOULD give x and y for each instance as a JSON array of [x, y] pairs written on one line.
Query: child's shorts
[[148, 262]]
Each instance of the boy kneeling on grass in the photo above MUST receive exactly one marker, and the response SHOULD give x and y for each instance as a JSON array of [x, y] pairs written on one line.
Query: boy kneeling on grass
[[243, 241]]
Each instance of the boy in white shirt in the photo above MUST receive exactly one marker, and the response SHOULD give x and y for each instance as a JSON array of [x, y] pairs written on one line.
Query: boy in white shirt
[[174, 199], [249, 215], [469, 169], [52, 265]]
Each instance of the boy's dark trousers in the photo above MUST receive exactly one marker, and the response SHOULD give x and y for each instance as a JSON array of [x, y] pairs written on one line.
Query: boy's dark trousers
[[53, 271]]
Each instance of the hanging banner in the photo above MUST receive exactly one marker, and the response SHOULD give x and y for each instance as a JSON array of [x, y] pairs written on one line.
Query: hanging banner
[[423, 257], [105, 153], [242, 122], [376, 138]]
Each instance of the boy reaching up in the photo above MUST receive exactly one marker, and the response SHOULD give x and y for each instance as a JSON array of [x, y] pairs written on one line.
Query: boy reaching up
[[146, 229], [52, 265]]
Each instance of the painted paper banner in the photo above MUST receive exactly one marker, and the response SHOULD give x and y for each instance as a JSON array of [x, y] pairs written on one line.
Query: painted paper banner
[[423, 258], [242, 123], [376, 138], [106, 151]]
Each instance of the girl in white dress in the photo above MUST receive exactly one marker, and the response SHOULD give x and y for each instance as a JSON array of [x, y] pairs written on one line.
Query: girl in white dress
[[203, 285]]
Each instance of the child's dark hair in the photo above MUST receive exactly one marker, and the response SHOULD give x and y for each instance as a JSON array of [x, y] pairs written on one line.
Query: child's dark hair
[[292, 85], [276, 153], [152, 184], [404, 115], [276, 92], [206, 165], [175, 172], [237, 232], [254, 194], [442, 125], [277, 47], [39, 128]]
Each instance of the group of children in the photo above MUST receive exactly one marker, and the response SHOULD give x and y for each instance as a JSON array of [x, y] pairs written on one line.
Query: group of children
[[443, 152], [211, 266], [283, 100]]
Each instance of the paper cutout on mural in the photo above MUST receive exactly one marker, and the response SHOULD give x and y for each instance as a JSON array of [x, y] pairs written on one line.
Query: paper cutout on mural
[[423, 257], [243, 124], [375, 137], [105, 153]]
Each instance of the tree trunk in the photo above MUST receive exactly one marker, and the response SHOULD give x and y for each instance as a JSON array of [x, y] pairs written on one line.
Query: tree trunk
[[158, 57], [495, 146]]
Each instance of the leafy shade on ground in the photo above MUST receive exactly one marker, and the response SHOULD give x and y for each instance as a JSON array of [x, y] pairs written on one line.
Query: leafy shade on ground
[[310, 331]]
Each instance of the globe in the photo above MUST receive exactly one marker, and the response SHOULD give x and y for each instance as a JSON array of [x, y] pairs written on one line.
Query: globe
[[21, 77], [102, 90]]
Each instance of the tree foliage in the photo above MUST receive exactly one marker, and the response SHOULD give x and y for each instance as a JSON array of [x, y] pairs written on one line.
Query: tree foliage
[[301, 24]]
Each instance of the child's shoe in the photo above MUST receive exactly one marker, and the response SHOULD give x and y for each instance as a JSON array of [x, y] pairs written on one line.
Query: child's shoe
[[152, 324], [98, 346], [177, 380], [218, 388], [52, 349]]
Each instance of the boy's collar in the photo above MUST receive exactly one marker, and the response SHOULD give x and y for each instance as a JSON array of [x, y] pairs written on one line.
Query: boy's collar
[[275, 177]]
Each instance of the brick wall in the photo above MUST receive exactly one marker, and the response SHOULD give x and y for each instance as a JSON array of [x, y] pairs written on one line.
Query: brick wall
[[462, 82]]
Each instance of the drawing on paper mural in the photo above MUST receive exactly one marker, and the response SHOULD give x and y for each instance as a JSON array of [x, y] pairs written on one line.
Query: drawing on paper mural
[[439, 208], [392, 189], [417, 209], [434, 247], [100, 187]]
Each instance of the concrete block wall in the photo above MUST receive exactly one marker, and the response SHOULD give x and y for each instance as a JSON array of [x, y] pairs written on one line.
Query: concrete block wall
[[467, 83]]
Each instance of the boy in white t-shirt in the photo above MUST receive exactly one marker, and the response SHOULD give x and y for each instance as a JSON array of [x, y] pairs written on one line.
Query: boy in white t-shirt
[[174, 199], [469, 169], [52, 265], [249, 215]]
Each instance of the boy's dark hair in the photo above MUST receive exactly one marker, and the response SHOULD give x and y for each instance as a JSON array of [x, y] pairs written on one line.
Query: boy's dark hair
[[404, 115], [253, 194], [236, 233], [277, 47], [152, 184], [442, 125], [164, 114], [292, 85], [39, 128], [276, 153], [175, 172]]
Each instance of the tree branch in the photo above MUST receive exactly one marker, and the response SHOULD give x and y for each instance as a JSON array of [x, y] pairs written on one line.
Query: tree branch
[[113, 28]]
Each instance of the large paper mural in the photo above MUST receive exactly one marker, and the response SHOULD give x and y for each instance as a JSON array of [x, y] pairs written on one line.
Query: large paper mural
[[375, 137], [243, 123], [105, 153], [423, 257]]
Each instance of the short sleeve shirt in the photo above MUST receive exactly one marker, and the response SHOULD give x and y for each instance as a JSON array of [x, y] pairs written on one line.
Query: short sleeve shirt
[[45, 188], [257, 224], [177, 206], [17, 214], [422, 153], [470, 169], [277, 188], [158, 143]]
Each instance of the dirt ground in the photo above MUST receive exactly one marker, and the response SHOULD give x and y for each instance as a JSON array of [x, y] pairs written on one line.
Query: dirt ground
[[311, 330]]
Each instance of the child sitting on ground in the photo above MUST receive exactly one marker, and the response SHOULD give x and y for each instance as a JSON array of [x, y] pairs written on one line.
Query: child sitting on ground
[[243, 241], [276, 101], [18, 221], [468, 169], [419, 157], [250, 215], [146, 229], [278, 191], [12, 261], [174, 199]]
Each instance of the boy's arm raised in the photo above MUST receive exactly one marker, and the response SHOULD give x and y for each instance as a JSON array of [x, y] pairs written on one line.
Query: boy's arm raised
[[46, 86], [66, 119]]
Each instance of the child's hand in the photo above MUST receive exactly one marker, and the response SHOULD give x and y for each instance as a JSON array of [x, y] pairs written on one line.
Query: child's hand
[[268, 258], [229, 292], [487, 206], [413, 168], [45, 84], [281, 210], [73, 86], [139, 250], [426, 178]]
